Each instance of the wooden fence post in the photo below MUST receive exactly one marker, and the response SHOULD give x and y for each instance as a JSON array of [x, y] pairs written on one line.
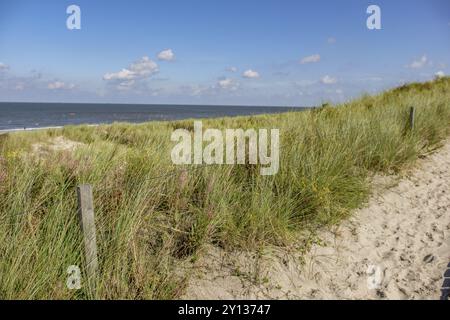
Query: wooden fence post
[[86, 215], [412, 116]]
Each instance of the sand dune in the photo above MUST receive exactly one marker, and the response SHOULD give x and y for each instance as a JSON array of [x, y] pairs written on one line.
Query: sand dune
[[397, 247]]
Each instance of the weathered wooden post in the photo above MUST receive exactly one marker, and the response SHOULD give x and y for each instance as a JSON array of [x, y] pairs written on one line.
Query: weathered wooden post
[[86, 215], [412, 116]]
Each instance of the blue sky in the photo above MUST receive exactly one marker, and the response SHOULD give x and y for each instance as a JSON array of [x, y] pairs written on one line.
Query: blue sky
[[244, 52]]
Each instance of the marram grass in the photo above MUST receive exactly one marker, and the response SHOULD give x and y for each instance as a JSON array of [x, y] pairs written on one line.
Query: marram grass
[[151, 220]]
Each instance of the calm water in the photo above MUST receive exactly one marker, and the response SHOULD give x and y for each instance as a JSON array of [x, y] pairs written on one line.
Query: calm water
[[38, 115]]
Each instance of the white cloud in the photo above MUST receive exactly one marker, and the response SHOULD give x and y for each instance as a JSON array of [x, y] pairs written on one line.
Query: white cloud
[[227, 84], [440, 74], [328, 80], [331, 40], [250, 74], [124, 74], [310, 59], [166, 55], [417, 64], [140, 69], [232, 69], [144, 67], [339, 91], [57, 85], [3, 66]]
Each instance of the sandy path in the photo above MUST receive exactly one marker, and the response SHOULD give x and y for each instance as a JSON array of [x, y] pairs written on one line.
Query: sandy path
[[398, 247]]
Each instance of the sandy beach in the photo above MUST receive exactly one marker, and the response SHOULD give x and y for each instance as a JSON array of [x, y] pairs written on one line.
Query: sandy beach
[[396, 247], [27, 129]]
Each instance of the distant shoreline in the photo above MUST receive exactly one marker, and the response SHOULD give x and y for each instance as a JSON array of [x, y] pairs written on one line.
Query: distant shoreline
[[27, 129], [16, 117], [39, 128]]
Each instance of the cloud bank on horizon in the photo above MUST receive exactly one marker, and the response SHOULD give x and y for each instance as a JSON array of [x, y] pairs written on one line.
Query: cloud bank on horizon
[[293, 53]]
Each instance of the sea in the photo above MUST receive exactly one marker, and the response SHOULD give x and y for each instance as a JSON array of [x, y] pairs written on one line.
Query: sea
[[28, 116]]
